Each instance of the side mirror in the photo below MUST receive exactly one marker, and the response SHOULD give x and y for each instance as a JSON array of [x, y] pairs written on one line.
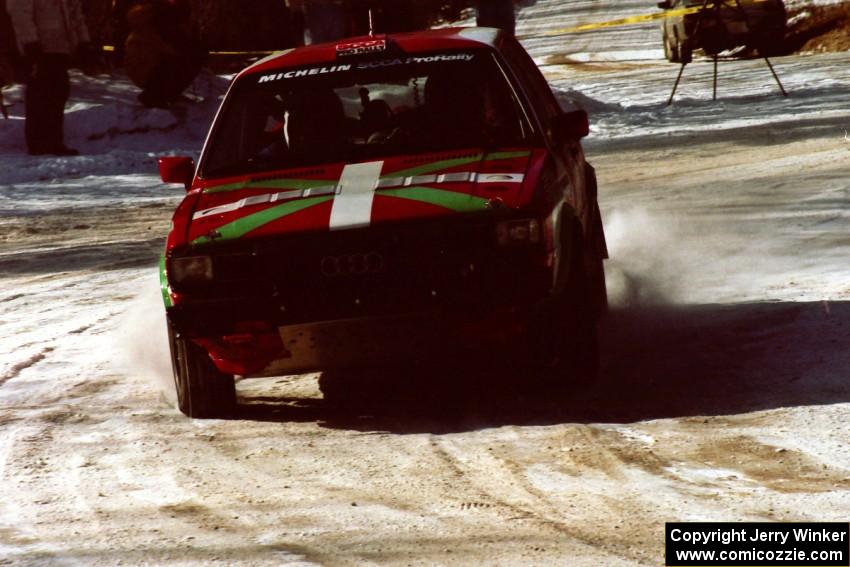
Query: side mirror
[[665, 5], [571, 125], [177, 170]]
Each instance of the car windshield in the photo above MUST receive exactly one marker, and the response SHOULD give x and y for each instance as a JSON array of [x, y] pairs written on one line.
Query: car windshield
[[367, 109]]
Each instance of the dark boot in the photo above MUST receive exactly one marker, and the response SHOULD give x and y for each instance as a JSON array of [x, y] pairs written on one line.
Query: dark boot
[[47, 92]]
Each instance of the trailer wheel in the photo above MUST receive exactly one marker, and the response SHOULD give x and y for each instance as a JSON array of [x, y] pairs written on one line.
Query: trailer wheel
[[685, 49], [671, 50]]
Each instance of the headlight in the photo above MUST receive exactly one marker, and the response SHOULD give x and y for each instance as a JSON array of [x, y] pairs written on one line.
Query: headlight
[[518, 232], [190, 269]]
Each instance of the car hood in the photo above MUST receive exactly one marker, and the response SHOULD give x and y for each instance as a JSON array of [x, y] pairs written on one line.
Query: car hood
[[354, 195]]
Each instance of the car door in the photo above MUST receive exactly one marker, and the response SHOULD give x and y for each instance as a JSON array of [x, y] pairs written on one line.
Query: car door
[[568, 156]]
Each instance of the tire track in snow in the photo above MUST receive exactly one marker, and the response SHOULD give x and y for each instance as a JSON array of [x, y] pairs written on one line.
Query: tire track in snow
[[16, 369], [503, 486]]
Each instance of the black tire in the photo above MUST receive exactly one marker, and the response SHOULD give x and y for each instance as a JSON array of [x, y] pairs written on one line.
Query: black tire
[[336, 388], [202, 390], [579, 313], [595, 269], [597, 250], [686, 50], [566, 341]]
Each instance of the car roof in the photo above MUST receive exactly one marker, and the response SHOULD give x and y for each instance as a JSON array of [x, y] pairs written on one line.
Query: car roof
[[409, 43]]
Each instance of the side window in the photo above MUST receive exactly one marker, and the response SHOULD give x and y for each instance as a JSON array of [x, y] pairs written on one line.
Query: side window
[[535, 85]]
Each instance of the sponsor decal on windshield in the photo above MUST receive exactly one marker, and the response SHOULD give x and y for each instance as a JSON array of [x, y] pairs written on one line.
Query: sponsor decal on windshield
[[364, 65], [361, 47], [465, 57], [294, 74]]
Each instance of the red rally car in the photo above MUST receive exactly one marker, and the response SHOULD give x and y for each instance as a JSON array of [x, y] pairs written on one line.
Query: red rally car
[[384, 199]]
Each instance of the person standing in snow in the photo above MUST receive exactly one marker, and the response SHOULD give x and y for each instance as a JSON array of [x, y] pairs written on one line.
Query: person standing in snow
[[296, 14], [327, 20], [496, 14], [120, 28], [387, 16], [49, 33], [8, 52], [7, 69], [160, 54]]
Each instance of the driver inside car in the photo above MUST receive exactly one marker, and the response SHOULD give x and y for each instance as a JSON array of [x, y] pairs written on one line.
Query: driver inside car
[[315, 124], [464, 106], [306, 125]]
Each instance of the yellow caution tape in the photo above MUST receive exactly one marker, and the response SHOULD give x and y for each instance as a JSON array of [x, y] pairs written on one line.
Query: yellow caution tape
[[630, 20], [615, 23]]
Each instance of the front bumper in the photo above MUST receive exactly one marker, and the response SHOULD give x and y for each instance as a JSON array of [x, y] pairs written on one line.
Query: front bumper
[[279, 307], [405, 339]]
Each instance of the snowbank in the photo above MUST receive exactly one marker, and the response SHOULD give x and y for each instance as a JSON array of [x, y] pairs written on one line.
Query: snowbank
[[114, 133]]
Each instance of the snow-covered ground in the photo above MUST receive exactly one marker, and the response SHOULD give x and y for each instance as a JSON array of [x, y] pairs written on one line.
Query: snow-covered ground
[[726, 391]]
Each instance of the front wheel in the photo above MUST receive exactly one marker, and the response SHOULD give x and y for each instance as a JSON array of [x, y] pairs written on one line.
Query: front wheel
[[597, 250], [202, 390], [566, 340]]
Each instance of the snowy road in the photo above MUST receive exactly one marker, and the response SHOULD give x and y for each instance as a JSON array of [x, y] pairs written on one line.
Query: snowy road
[[726, 391]]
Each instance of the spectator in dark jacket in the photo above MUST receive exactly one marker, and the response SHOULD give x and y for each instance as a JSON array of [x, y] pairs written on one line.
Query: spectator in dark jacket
[[296, 10], [497, 14], [7, 55], [327, 20], [160, 54], [120, 28], [387, 16], [8, 51], [49, 32]]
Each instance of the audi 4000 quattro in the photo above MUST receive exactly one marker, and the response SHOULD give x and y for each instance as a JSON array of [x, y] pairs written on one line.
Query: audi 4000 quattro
[[388, 198]]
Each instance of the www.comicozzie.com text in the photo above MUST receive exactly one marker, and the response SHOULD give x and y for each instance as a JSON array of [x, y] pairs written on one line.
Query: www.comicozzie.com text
[[726, 536]]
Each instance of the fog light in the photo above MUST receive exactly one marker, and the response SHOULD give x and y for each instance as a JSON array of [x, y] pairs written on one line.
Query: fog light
[[518, 231], [190, 269]]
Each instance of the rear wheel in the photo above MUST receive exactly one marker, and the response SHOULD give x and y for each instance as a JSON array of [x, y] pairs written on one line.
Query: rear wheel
[[202, 390]]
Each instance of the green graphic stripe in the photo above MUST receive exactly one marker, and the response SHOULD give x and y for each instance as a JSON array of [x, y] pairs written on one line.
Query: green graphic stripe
[[445, 164], [458, 202], [272, 184], [435, 166], [246, 224], [507, 155], [163, 283]]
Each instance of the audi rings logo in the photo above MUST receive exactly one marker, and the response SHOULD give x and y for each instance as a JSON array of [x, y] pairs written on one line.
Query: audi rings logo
[[352, 264]]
